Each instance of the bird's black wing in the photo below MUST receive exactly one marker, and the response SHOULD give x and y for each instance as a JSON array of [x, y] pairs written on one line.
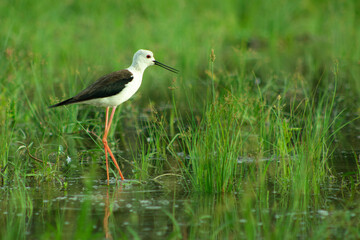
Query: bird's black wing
[[106, 86]]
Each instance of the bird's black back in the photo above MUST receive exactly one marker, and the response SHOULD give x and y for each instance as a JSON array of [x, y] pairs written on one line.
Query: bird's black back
[[106, 86]]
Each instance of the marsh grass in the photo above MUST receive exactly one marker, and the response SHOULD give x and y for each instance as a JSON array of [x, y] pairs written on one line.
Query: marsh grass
[[257, 59], [242, 122]]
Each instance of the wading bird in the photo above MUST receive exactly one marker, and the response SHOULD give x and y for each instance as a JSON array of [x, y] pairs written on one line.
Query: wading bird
[[113, 89]]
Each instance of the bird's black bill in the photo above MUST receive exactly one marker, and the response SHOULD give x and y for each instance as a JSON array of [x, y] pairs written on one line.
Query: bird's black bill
[[166, 67]]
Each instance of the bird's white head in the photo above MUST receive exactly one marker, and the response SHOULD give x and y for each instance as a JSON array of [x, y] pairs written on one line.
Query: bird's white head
[[142, 59], [145, 58]]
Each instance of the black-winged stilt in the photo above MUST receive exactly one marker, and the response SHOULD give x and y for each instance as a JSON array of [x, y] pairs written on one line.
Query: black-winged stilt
[[113, 89]]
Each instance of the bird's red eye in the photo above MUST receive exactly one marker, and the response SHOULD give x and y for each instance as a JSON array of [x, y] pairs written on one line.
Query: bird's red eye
[[148, 56]]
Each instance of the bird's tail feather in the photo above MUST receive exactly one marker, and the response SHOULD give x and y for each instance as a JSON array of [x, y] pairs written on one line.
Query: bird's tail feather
[[66, 102]]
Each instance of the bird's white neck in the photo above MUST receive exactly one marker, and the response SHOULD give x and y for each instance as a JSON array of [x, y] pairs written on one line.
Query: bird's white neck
[[138, 67]]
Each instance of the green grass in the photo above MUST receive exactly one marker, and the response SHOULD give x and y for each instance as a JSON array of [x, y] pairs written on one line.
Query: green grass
[[267, 92]]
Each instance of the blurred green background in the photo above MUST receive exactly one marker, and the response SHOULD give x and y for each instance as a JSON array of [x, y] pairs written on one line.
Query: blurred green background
[[69, 44]]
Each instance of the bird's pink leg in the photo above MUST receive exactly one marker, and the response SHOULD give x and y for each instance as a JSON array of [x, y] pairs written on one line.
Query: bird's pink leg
[[116, 164], [106, 146], [105, 143]]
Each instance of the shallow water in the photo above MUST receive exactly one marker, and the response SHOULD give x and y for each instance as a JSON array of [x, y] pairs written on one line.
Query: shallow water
[[95, 210], [89, 209]]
